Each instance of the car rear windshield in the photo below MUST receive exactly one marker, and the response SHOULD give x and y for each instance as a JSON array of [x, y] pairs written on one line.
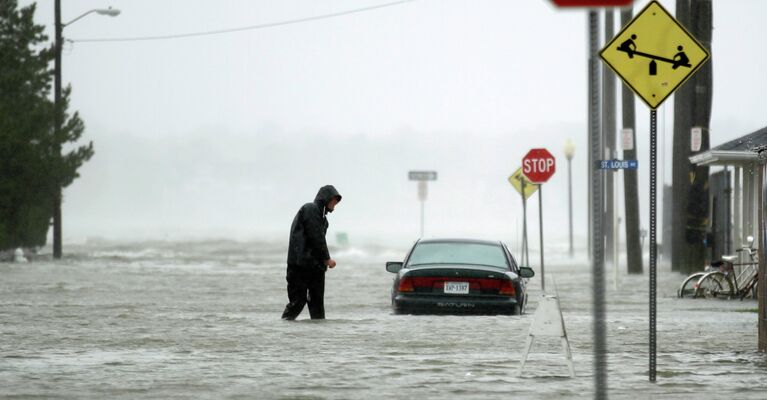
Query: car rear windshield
[[458, 253]]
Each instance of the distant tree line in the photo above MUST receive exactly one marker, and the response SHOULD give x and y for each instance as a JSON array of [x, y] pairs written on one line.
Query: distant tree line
[[33, 168]]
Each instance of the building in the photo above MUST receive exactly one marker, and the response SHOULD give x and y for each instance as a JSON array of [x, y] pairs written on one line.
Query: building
[[744, 162]]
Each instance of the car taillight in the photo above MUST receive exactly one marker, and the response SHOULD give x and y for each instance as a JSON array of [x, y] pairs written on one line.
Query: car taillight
[[406, 284], [507, 288]]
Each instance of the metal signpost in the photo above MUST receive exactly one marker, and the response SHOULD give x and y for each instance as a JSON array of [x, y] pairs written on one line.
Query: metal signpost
[[595, 243], [596, 246], [422, 177], [538, 166], [654, 55], [525, 189]]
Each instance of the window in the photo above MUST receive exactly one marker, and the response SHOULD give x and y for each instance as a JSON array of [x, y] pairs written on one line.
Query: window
[[458, 253]]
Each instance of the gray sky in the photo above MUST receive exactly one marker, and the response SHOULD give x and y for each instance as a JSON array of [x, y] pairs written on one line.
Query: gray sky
[[227, 135]]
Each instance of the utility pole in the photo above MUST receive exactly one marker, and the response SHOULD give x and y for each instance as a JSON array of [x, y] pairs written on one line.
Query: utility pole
[[596, 214], [680, 178], [608, 141], [697, 209], [630, 188], [761, 245], [58, 115], [692, 108], [594, 135], [57, 122]]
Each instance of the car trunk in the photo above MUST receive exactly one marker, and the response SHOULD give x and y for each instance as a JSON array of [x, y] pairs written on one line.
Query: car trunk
[[460, 280]]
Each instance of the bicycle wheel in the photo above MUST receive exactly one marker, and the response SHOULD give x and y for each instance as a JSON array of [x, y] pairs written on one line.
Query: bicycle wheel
[[750, 289], [688, 286], [714, 285]]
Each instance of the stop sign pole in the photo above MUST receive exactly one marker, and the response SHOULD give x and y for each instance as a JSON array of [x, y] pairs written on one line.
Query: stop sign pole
[[538, 166]]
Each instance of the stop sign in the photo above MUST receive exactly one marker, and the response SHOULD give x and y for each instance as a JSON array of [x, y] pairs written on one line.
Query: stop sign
[[539, 165], [593, 3]]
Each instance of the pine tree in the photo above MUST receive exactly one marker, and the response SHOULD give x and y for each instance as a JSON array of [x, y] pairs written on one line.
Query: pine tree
[[32, 169]]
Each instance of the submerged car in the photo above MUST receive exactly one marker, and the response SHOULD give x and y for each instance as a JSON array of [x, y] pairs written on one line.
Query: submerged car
[[459, 276]]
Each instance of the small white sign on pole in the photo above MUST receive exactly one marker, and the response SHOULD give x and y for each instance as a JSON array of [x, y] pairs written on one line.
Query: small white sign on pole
[[627, 139], [423, 190], [696, 138]]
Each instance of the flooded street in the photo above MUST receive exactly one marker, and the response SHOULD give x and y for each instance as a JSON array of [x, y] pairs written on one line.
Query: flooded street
[[166, 157], [201, 320]]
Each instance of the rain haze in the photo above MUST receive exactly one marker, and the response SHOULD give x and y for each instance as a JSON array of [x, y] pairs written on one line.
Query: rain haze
[[213, 122], [226, 135]]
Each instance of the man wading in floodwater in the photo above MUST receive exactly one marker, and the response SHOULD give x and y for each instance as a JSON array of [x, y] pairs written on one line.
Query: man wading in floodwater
[[308, 256]]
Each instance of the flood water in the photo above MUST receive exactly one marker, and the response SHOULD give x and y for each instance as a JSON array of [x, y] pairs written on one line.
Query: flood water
[[201, 320]]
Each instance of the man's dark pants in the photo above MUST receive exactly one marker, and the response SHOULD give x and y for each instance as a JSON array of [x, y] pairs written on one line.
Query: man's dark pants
[[305, 285]]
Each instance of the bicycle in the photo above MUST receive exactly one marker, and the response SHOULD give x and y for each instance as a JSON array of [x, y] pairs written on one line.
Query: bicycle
[[720, 280], [726, 283]]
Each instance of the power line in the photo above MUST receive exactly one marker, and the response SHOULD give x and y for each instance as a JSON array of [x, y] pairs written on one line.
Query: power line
[[244, 28]]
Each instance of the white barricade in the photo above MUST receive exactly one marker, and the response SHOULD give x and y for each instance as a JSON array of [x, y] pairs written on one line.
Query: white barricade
[[548, 321]]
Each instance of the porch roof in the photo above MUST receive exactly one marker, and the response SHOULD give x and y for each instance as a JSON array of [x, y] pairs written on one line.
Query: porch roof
[[743, 150]]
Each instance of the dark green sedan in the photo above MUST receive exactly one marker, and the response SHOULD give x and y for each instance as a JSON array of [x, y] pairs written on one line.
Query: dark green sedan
[[459, 276]]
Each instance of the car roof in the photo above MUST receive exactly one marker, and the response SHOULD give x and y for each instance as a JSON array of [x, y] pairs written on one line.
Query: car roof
[[461, 240]]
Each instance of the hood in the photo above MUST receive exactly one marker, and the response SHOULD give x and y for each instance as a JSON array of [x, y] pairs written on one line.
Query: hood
[[326, 193]]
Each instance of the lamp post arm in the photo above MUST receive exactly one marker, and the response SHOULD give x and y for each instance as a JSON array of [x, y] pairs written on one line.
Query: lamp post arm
[[112, 12], [81, 15]]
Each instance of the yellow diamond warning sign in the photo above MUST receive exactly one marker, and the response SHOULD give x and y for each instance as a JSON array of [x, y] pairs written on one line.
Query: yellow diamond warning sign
[[654, 54], [522, 184]]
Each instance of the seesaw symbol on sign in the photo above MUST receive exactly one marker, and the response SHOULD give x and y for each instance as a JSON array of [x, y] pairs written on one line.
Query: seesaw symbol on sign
[[680, 58]]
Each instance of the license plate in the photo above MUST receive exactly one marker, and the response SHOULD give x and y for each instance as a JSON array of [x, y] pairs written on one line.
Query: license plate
[[457, 287]]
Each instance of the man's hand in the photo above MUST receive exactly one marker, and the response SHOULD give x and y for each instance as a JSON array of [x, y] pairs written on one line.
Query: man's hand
[[330, 263]]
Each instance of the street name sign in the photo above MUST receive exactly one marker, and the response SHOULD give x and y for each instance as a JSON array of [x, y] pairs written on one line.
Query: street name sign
[[617, 164], [517, 179], [539, 165], [654, 54], [422, 175]]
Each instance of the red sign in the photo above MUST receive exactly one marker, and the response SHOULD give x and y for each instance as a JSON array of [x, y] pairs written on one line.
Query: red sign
[[593, 3], [539, 165]]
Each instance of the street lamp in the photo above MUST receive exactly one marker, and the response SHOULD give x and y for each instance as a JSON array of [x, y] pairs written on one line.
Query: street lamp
[[112, 12], [57, 119], [569, 152]]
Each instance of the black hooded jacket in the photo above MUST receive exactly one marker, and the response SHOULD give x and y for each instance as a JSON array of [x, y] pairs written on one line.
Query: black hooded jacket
[[308, 247]]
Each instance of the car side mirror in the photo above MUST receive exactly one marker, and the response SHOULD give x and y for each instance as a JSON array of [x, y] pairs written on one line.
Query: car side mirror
[[526, 272], [393, 266]]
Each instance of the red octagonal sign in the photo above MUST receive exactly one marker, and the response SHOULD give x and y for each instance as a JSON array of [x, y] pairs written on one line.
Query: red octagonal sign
[[539, 165], [593, 3]]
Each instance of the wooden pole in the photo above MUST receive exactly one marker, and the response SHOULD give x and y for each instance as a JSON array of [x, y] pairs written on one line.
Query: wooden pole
[[596, 215], [762, 275], [608, 141], [57, 122], [630, 180]]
